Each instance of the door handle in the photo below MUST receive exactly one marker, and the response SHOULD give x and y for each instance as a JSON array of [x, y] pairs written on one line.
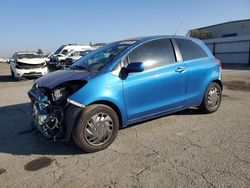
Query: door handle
[[180, 69]]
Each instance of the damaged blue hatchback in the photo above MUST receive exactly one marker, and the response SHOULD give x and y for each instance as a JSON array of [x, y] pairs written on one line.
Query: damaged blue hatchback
[[122, 83]]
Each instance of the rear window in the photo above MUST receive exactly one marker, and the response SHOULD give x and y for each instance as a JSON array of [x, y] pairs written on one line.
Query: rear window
[[190, 50]]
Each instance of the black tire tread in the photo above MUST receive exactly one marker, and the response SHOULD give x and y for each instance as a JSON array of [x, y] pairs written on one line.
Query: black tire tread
[[203, 107], [79, 139]]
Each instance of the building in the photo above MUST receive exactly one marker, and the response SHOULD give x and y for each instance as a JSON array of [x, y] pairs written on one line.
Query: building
[[228, 29], [229, 41]]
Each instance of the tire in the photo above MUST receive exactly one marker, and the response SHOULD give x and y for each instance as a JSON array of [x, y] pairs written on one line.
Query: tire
[[209, 103], [12, 73], [85, 124]]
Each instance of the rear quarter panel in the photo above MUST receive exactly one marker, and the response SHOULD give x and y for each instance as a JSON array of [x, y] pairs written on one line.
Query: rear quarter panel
[[201, 73]]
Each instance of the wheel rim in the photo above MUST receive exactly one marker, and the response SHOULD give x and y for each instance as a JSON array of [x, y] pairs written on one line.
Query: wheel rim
[[98, 129], [213, 98]]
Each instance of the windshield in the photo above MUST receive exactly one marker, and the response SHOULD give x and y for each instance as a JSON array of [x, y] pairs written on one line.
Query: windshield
[[59, 50], [97, 59], [83, 53], [65, 52], [68, 53], [28, 56]]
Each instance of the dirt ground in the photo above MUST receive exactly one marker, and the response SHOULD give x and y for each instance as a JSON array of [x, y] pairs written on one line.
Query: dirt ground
[[185, 149]]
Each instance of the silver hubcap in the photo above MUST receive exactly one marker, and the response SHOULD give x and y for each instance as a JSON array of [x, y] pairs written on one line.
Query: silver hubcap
[[213, 98], [98, 129]]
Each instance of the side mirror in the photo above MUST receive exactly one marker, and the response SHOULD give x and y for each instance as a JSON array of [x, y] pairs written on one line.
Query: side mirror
[[135, 67]]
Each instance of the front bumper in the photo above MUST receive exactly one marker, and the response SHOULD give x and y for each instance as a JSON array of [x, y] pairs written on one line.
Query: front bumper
[[53, 122], [31, 72], [71, 115]]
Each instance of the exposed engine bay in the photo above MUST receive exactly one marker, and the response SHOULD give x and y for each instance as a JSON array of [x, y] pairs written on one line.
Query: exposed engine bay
[[49, 107]]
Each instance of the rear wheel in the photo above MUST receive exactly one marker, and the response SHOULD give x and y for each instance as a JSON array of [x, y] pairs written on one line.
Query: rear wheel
[[96, 128], [212, 99]]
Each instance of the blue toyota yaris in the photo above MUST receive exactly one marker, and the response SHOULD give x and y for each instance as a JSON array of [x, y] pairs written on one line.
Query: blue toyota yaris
[[122, 83]]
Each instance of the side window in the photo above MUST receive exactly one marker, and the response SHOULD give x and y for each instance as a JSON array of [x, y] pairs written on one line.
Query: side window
[[64, 52], [153, 54], [76, 53], [190, 50]]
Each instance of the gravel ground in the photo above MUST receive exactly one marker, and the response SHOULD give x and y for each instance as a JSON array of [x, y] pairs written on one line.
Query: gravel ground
[[185, 149]]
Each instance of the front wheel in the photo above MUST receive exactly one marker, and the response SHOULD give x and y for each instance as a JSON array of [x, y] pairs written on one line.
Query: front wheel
[[212, 99], [13, 75], [96, 128]]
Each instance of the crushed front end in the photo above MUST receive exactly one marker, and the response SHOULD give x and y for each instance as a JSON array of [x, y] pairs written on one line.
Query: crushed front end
[[52, 115]]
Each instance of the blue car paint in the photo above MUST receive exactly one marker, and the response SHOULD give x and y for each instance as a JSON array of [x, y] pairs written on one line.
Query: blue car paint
[[142, 96], [154, 91], [56, 78], [105, 87]]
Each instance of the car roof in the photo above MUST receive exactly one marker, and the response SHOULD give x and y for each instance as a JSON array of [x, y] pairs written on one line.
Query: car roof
[[148, 38], [161, 36]]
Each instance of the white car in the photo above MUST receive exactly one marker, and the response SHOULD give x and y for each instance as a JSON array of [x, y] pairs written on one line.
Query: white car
[[4, 60], [46, 57], [65, 49], [74, 55], [27, 64]]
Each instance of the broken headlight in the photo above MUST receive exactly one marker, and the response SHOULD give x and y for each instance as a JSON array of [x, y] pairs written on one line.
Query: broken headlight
[[59, 94]]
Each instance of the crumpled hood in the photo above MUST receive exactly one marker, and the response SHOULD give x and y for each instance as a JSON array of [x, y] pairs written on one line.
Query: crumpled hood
[[32, 61], [56, 78]]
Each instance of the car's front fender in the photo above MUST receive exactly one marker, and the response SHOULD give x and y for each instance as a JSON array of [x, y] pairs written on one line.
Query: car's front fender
[[106, 87]]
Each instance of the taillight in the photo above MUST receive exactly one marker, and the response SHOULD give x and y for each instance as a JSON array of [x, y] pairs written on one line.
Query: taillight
[[220, 65], [219, 62]]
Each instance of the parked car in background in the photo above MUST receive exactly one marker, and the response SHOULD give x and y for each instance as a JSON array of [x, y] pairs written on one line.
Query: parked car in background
[[74, 54], [122, 83], [4, 60], [46, 57], [97, 45], [73, 57], [27, 64], [64, 50]]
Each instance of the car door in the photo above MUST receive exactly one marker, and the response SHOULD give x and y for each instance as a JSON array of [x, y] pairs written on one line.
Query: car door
[[200, 68], [160, 87]]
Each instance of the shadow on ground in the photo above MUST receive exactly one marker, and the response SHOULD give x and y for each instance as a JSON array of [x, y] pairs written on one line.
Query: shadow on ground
[[6, 78], [17, 140]]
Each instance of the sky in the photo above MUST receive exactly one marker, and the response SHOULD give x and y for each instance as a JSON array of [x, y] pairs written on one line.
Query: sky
[[47, 24]]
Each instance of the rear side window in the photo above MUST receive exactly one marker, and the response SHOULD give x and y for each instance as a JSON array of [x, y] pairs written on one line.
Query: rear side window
[[190, 50], [153, 54]]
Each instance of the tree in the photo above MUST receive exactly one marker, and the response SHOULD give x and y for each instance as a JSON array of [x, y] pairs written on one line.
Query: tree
[[200, 34], [39, 51]]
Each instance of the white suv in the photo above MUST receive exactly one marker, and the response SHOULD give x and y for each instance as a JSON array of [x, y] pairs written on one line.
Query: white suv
[[65, 49], [27, 64], [69, 58]]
